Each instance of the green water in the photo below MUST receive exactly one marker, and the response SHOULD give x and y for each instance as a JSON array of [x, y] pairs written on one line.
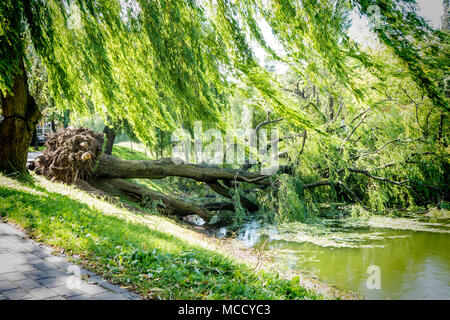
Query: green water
[[412, 264]]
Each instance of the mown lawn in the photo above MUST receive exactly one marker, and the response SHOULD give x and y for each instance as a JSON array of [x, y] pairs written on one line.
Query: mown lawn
[[154, 263], [40, 148], [123, 152]]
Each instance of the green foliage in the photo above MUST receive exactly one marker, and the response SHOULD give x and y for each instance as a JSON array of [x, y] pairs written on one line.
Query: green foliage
[[240, 213], [11, 44], [397, 134], [122, 152], [162, 64], [40, 148], [292, 203], [422, 50]]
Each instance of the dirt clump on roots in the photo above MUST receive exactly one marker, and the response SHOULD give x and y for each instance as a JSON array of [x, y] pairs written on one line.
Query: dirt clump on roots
[[70, 155]]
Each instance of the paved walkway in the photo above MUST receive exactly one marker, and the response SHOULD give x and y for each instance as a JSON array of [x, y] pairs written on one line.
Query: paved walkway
[[29, 270], [33, 155]]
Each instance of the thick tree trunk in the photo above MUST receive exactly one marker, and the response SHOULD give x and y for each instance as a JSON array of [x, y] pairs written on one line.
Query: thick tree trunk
[[176, 206], [75, 154], [110, 137], [21, 115], [110, 167]]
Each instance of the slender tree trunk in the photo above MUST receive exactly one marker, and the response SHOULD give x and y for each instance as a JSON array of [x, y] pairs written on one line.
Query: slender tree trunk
[[21, 115], [35, 140], [330, 107], [110, 137], [66, 118], [441, 126], [161, 143]]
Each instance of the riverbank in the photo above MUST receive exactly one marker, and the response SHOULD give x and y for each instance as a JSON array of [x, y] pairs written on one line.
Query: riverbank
[[407, 256], [148, 254]]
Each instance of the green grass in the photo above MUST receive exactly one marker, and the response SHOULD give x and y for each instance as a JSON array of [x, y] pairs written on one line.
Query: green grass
[[137, 254], [123, 152], [40, 148]]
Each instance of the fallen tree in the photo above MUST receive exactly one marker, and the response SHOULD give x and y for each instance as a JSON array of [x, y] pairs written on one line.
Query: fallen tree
[[76, 154]]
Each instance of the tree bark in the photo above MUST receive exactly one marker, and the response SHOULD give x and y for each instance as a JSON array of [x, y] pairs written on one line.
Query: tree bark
[[21, 115], [110, 167], [178, 207], [75, 154]]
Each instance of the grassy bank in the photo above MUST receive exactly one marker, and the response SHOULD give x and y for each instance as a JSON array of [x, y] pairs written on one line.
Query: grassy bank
[[148, 254], [123, 151]]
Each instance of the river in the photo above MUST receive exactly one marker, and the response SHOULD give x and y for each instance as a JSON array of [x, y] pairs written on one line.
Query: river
[[409, 259]]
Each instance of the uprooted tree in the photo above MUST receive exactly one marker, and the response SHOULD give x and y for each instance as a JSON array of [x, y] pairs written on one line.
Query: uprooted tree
[[75, 156], [166, 64]]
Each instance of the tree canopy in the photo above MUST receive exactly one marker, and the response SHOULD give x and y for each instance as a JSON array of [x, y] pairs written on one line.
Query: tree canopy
[[158, 63]]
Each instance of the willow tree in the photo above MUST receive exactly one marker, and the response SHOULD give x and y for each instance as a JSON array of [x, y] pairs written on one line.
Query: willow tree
[[149, 63], [159, 63]]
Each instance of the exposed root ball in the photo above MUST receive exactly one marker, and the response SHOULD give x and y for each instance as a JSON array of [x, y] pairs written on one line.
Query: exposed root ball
[[70, 155]]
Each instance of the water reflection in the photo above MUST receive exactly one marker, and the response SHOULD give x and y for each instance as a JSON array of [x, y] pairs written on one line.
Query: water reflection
[[249, 235], [413, 264]]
